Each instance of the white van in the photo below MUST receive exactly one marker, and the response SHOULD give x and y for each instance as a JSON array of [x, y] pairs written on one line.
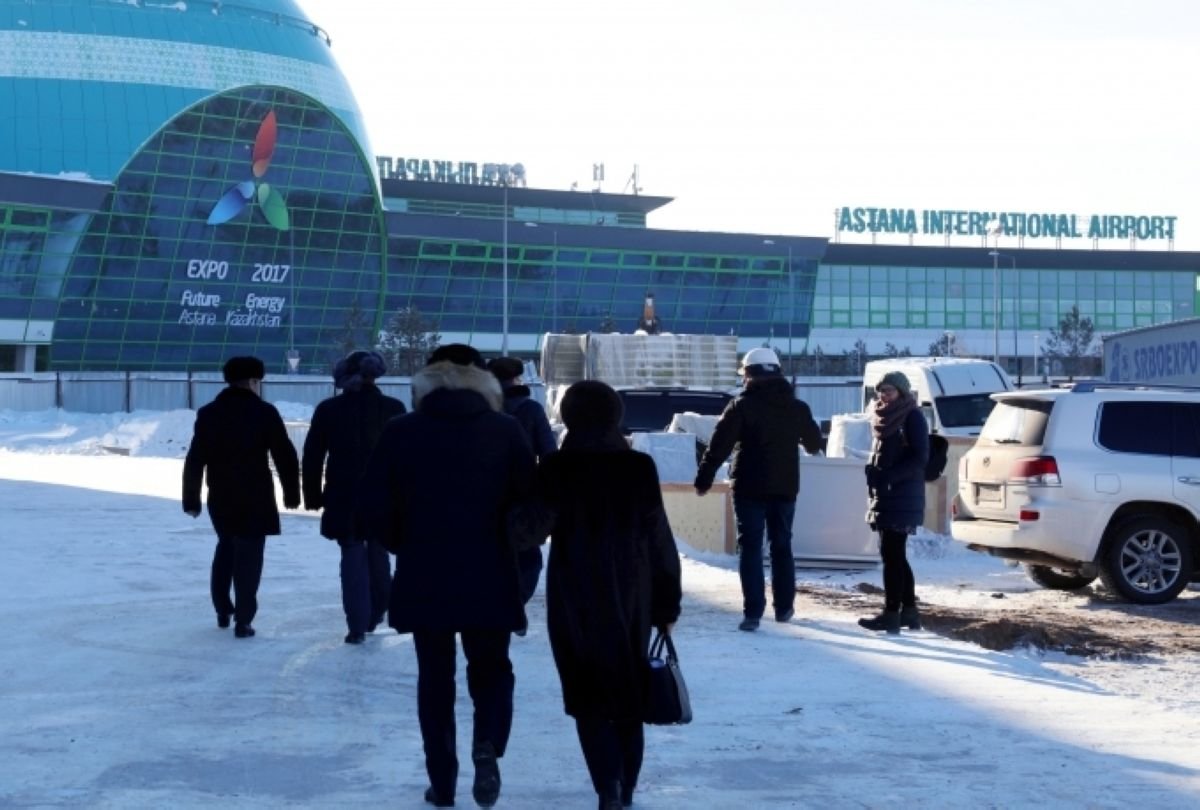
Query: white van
[[954, 392]]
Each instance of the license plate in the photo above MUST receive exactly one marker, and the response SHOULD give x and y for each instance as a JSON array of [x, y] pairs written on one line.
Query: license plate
[[988, 493]]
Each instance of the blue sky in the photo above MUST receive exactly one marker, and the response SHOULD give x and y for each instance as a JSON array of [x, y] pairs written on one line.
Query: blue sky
[[767, 115]]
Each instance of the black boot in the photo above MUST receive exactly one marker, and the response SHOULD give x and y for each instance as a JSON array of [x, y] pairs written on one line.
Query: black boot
[[910, 617], [243, 631], [888, 620], [437, 800], [486, 789], [610, 799]]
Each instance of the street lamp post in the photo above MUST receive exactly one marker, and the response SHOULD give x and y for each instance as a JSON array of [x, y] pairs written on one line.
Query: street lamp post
[[791, 314], [791, 309], [553, 279], [996, 307], [1035, 355], [504, 278], [996, 256]]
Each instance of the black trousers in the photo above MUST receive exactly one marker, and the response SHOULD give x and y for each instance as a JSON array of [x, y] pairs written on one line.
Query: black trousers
[[613, 752], [490, 683], [366, 572], [899, 588], [238, 561]]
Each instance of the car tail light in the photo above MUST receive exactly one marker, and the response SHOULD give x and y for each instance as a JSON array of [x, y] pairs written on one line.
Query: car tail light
[[1028, 515], [1036, 471]]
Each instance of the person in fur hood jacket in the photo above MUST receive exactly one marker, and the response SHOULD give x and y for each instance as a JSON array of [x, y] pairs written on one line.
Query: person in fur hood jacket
[[437, 490]]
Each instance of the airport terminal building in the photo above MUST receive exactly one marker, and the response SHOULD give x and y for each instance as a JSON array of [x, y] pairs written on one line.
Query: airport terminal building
[[183, 182]]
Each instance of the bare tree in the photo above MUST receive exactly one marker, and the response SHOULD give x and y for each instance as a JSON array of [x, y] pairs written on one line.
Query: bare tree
[[1071, 343], [407, 341], [355, 332], [942, 347], [854, 359]]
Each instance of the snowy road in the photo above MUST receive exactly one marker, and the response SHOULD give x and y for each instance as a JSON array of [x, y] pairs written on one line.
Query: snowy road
[[119, 690]]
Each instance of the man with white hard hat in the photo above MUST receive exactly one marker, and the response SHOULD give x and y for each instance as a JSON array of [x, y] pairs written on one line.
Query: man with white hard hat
[[762, 427]]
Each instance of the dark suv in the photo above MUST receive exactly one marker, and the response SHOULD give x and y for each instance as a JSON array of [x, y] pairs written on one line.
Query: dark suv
[[649, 410], [1101, 479]]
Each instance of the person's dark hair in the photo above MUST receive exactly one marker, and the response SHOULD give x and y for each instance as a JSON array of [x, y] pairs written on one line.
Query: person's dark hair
[[240, 369], [590, 405], [357, 368], [506, 369], [458, 353]]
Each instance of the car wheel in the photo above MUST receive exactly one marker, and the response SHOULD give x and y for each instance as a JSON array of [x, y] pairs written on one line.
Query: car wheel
[[1057, 579], [1147, 560]]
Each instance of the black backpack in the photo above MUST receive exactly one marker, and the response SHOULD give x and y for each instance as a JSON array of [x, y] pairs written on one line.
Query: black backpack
[[939, 451]]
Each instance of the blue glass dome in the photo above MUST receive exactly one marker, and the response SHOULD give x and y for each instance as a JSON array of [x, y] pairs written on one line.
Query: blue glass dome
[[85, 83]]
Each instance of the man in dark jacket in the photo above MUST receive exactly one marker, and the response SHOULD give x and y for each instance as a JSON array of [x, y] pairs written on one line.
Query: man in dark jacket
[[763, 427], [340, 438], [233, 436], [529, 413], [437, 490]]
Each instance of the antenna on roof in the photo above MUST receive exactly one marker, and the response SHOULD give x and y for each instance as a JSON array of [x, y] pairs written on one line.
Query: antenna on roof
[[598, 174], [633, 180]]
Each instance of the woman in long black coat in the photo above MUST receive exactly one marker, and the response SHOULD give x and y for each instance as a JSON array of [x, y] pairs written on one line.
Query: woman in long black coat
[[341, 436], [612, 577], [896, 492]]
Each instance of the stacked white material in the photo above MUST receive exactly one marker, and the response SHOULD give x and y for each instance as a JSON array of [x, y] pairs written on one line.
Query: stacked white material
[[708, 361], [674, 454], [641, 361], [849, 436], [701, 427]]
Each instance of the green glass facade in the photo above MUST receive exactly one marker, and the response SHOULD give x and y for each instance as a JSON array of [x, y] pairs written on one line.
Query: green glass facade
[[154, 285], [557, 287], [849, 296]]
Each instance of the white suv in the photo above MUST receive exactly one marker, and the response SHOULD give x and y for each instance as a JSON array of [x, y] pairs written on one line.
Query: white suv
[[1094, 480]]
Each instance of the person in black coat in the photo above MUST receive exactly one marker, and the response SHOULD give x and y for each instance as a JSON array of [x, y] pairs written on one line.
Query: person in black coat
[[529, 413], [613, 575], [233, 436], [763, 426], [896, 492], [437, 491], [340, 438]]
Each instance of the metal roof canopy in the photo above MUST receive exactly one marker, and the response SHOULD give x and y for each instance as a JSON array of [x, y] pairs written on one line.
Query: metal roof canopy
[[520, 195]]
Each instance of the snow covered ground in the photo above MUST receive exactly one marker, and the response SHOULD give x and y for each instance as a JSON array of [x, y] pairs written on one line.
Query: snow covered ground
[[120, 691]]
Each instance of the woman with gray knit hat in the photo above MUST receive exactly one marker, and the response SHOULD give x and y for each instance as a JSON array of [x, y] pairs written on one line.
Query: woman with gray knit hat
[[342, 434], [896, 493]]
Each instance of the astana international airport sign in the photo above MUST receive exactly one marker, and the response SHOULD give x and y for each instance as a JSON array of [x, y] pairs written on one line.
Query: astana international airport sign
[[1033, 225]]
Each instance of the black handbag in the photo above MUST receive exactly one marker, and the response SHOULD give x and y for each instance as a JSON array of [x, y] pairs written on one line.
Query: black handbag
[[667, 701]]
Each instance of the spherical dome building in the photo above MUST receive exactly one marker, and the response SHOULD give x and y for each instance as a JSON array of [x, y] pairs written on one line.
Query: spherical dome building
[[84, 83], [180, 181]]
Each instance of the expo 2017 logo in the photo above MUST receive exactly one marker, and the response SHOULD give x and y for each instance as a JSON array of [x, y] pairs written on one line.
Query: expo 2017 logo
[[270, 202]]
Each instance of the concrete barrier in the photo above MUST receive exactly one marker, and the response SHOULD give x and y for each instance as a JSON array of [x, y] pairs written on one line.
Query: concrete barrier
[[829, 528]]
